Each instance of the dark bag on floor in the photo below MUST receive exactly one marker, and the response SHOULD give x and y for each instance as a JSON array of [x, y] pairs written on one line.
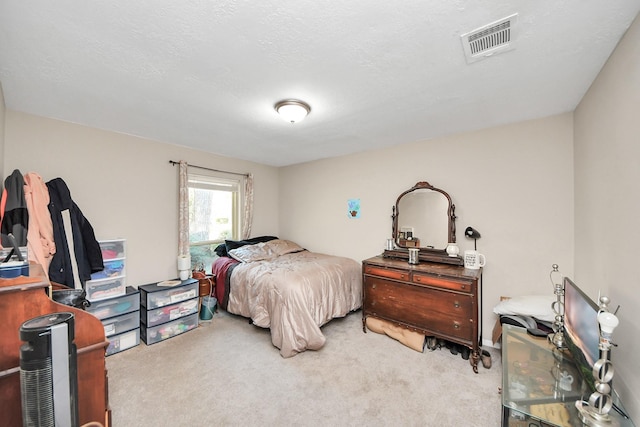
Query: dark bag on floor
[[73, 297]]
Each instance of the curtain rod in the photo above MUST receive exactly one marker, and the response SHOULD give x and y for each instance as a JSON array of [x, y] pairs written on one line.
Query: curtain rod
[[209, 169]]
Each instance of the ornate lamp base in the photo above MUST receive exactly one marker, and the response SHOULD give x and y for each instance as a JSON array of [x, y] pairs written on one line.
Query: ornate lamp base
[[590, 416], [557, 339]]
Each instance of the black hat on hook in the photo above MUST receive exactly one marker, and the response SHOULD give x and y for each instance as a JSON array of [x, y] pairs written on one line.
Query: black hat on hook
[[474, 234]]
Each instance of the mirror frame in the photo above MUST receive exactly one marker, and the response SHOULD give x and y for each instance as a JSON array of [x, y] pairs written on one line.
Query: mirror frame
[[425, 254]]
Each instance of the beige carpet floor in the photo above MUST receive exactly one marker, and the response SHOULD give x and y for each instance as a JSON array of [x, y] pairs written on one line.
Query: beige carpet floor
[[227, 373]]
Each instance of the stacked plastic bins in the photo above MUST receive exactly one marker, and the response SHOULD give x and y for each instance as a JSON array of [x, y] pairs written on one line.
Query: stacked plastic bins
[[167, 311], [110, 282], [112, 301], [120, 317]]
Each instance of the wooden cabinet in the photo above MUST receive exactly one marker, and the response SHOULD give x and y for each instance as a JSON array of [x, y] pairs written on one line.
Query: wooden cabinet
[[24, 298], [438, 300]]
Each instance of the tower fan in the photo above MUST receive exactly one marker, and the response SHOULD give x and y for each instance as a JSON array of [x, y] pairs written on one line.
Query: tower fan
[[48, 371]]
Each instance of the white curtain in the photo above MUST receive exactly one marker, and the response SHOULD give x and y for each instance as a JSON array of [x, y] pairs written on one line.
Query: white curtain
[[247, 219], [183, 211]]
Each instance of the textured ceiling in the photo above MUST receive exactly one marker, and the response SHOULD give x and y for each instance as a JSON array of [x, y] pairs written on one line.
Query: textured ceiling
[[206, 74]]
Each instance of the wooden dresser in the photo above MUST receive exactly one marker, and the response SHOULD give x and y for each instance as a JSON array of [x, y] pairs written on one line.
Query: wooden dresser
[[438, 300], [24, 298]]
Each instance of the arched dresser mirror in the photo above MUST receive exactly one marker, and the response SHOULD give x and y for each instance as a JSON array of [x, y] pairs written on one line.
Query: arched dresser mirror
[[424, 218]]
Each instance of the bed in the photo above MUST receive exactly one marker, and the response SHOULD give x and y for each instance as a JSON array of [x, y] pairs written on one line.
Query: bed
[[287, 289]]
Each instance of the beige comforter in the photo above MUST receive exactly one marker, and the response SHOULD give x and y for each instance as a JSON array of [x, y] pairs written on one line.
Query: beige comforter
[[294, 295]]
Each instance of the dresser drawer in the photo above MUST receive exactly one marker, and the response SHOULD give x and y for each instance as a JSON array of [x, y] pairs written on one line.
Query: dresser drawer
[[456, 318], [445, 283], [386, 272], [434, 311]]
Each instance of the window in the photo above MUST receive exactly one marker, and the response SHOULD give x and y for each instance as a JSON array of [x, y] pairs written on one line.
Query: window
[[214, 215]]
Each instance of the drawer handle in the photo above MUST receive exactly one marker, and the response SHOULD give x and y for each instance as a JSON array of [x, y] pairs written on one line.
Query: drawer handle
[[456, 325], [403, 277], [417, 278], [463, 286], [373, 286], [456, 304]]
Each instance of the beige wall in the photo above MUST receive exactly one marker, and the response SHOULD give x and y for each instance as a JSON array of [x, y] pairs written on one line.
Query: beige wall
[[607, 193], [125, 185], [513, 183]]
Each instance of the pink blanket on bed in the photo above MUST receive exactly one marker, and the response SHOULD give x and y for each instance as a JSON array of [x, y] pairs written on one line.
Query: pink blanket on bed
[[294, 294]]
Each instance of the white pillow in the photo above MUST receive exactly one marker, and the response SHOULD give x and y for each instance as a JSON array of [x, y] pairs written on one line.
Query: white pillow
[[251, 253], [538, 306]]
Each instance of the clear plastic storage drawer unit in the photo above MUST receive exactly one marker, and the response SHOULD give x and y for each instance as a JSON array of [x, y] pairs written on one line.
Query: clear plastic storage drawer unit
[[105, 288], [112, 249], [155, 296], [116, 306], [112, 268], [169, 312], [124, 341], [170, 329], [120, 324], [111, 281]]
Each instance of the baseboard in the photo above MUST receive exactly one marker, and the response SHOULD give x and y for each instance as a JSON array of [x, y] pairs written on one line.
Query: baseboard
[[489, 343]]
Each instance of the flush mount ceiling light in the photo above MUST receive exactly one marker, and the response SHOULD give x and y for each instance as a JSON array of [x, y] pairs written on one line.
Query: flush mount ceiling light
[[292, 110]]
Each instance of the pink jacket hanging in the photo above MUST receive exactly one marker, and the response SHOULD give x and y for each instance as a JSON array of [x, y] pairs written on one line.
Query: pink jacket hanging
[[40, 241]]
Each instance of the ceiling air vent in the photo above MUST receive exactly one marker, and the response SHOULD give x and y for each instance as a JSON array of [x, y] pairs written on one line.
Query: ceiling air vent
[[490, 39]]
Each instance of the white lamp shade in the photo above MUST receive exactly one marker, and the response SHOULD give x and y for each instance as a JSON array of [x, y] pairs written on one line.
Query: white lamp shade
[[608, 322], [292, 111], [184, 262]]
